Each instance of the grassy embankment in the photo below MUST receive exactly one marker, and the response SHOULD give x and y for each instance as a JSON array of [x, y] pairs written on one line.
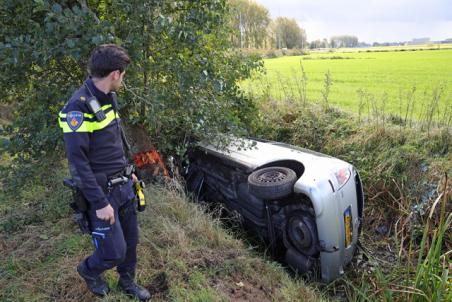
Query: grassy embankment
[[414, 85], [184, 254], [403, 171]]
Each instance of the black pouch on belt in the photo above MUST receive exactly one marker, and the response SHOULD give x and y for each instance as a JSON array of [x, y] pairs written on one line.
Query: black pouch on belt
[[101, 179]]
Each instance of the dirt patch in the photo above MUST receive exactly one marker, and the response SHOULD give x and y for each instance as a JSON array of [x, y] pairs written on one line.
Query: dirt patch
[[68, 287], [6, 114], [3, 245], [158, 287], [237, 288], [210, 258]]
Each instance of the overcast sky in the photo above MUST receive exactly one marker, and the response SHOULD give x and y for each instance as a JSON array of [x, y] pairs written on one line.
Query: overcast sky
[[369, 20]]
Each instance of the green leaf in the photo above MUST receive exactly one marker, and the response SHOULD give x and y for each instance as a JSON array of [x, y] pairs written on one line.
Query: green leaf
[[70, 43], [57, 8]]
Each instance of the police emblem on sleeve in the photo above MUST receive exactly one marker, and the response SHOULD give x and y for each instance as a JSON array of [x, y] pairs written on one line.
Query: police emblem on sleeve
[[74, 119]]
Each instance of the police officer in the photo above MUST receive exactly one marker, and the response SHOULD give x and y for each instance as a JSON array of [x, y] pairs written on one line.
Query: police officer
[[95, 153]]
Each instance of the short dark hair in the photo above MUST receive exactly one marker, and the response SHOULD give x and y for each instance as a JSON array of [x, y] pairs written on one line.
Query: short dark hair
[[107, 58]]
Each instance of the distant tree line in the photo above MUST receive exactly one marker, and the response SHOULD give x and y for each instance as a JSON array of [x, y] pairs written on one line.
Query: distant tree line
[[286, 33], [252, 27], [336, 42], [343, 41], [249, 23]]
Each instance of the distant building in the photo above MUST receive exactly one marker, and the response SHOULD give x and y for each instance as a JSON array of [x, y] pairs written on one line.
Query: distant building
[[419, 41]]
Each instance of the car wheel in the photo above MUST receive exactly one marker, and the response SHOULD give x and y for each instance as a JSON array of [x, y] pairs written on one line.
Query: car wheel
[[272, 182], [302, 233]]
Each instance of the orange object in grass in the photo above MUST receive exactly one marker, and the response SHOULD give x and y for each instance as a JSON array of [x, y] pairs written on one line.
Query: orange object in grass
[[148, 159]]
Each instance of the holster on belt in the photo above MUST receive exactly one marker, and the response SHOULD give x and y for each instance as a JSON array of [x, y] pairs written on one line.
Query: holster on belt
[[79, 205]]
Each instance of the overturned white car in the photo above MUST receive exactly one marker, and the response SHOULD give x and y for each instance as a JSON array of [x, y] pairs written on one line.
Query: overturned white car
[[307, 206]]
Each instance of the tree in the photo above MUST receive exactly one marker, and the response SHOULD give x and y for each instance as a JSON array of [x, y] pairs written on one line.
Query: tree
[[318, 44], [249, 21], [181, 77], [289, 34], [343, 41]]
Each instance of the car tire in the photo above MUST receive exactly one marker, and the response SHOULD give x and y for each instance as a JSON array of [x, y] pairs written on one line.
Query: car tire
[[301, 233], [272, 182]]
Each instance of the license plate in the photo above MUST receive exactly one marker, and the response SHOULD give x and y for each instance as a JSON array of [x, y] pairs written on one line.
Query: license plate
[[348, 226]]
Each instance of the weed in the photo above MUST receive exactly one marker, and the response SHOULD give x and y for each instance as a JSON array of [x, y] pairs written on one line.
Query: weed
[[432, 278], [327, 83], [301, 85], [410, 101]]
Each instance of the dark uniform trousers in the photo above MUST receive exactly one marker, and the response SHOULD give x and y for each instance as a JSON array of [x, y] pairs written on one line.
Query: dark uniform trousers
[[115, 244]]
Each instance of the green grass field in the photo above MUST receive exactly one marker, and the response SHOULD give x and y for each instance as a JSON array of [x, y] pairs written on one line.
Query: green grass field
[[377, 72], [392, 48]]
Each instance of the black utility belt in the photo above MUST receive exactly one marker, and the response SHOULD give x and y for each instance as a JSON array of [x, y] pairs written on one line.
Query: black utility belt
[[127, 172], [116, 181], [120, 178]]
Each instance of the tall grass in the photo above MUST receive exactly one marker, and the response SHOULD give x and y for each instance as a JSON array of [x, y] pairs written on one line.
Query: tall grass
[[327, 83], [431, 110], [431, 114], [410, 98], [426, 110], [301, 84], [432, 280]]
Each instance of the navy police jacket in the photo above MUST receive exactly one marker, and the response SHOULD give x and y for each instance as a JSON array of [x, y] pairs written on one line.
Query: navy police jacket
[[94, 148]]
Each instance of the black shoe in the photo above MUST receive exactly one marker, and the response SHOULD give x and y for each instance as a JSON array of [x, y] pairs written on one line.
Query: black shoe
[[96, 285], [128, 285]]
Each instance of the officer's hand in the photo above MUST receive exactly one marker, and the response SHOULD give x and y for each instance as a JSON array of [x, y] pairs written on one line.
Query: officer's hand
[[106, 213], [134, 178]]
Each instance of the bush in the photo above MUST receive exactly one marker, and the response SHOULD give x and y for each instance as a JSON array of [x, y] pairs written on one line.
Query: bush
[[182, 74]]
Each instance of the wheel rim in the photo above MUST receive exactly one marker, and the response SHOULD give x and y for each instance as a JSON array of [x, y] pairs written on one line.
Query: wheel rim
[[299, 233], [271, 176], [302, 234]]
